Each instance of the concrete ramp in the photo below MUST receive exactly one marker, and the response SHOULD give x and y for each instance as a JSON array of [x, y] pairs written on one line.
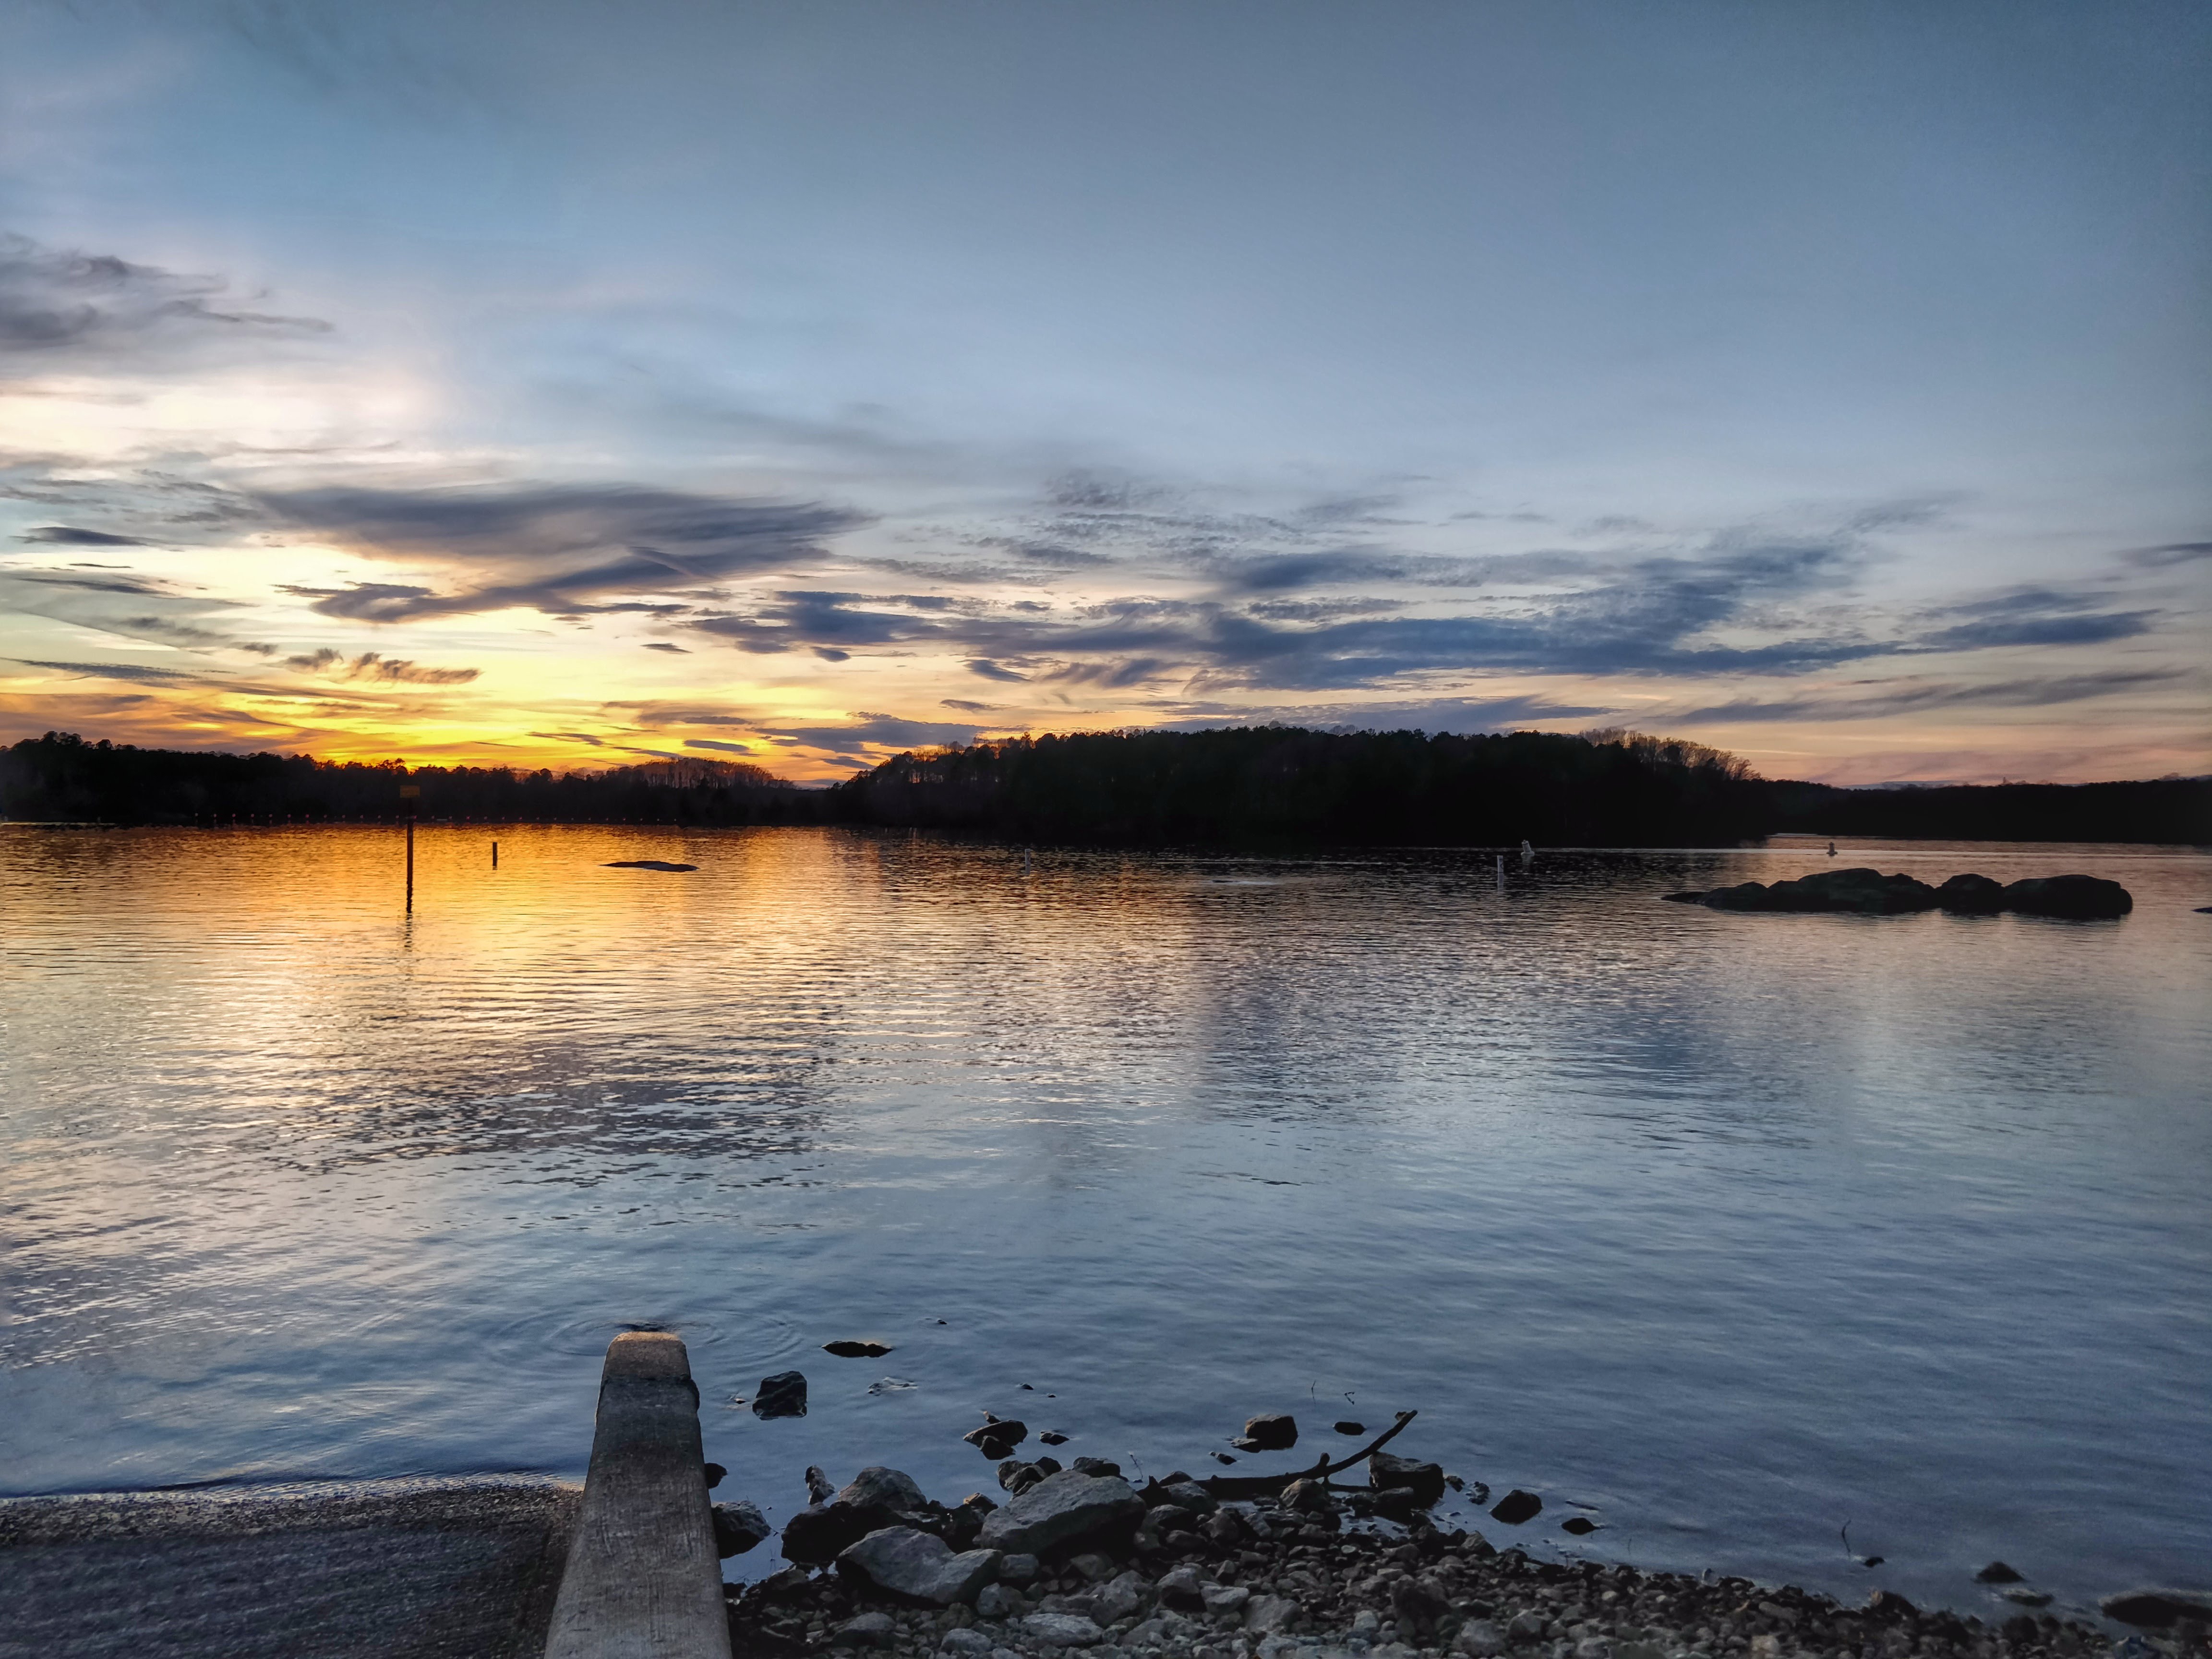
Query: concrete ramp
[[397, 1570], [643, 1581]]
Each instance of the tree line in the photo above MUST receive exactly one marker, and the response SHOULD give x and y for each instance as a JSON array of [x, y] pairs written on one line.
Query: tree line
[[1269, 784]]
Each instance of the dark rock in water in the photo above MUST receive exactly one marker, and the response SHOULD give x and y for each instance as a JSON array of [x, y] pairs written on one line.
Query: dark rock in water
[[1017, 1477], [715, 1475], [2155, 1609], [1580, 1525], [1272, 1432], [1426, 1480], [1350, 1427], [1744, 896], [1888, 1604], [1997, 1573], [739, 1527], [1244, 1443], [820, 1489], [1971, 895], [2029, 1598], [1517, 1506], [1863, 891], [846, 1349], [783, 1394], [1398, 1503], [887, 1491], [996, 1439], [1683, 898], [647, 864], [1095, 1465], [2076, 898], [1052, 1437], [814, 1536], [1223, 1457]]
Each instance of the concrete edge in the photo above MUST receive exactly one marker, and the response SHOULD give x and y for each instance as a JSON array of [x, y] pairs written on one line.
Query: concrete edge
[[643, 1580]]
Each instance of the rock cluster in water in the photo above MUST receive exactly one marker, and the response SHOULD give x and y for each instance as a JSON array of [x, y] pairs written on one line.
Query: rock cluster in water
[[1078, 1560], [1869, 892]]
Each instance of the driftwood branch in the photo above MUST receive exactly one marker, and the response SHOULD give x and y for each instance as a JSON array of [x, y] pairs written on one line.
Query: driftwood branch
[[1269, 1485]]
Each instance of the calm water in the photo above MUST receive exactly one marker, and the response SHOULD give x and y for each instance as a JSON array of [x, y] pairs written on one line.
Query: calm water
[[1726, 1231]]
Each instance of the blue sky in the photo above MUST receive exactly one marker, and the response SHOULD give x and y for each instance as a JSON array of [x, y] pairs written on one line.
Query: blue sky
[[566, 383]]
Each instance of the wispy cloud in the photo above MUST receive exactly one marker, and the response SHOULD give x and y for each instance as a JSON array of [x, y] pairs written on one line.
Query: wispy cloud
[[63, 307], [1910, 697], [378, 669]]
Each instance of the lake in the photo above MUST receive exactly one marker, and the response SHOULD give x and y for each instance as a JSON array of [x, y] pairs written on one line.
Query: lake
[[1727, 1231]]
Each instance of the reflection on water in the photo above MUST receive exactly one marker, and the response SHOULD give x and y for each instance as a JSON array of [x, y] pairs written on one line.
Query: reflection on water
[[1727, 1229]]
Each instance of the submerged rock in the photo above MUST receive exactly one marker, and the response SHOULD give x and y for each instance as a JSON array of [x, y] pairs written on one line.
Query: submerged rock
[[995, 1439], [2077, 898], [783, 1394], [1580, 1525], [647, 864], [847, 1348], [2154, 1609], [1350, 1427], [1426, 1480], [1271, 1431]]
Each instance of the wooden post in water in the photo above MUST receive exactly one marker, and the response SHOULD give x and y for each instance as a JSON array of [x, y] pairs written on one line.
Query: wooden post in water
[[1501, 872], [410, 792], [495, 855]]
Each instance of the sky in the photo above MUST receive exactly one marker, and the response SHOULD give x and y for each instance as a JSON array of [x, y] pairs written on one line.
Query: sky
[[573, 383]]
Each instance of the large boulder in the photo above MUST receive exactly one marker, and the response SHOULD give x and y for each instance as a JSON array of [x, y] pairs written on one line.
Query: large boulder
[[1061, 1510], [1971, 895], [1868, 892], [2077, 898], [1744, 896], [916, 1567], [875, 1498]]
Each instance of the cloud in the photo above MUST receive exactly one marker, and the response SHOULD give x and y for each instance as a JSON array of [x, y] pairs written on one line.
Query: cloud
[[1916, 697], [716, 742], [378, 669], [968, 707], [558, 548], [70, 536], [991, 670], [2172, 553], [186, 634], [114, 671], [663, 644], [64, 307]]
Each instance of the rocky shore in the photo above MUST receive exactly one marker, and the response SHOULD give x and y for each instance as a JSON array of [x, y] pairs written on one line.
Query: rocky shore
[[1081, 1560]]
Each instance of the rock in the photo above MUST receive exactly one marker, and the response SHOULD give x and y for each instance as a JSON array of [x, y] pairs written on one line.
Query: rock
[[1271, 1431], [645, 864], [1064, 1509], [715, 1475], [1517, 1506], [737, 1527], [1684, 898], [1309, 1496], [2077, 898], [1997, 1573], [1223, 1599], [1061, 1630], [1266, 1616], [1638, 1650], [1580, 1525], [1018, 1568], [820, 1489], [1527, 1625], [2154, 1609], [997, 1601], [870, 1630], [917, 1567], [1053, 1437], [1226, 1528], [1888, 1604], [846, 1349], [783, 1394], [1426, 1480], [968, 1644], [1182, 1589], [1398, 1503], [1016, 1476], [1480, 1639], [1744, 896], [2029, 1598], [1094, 1465], [1350, 1427], [889, 1490], [996, 1439], [1971, 895], [1246, 1444], [818, 1533], [1223, 1457], [1418, 1603], [1120, 1597], [1093, 1566], [1187, 1495]]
